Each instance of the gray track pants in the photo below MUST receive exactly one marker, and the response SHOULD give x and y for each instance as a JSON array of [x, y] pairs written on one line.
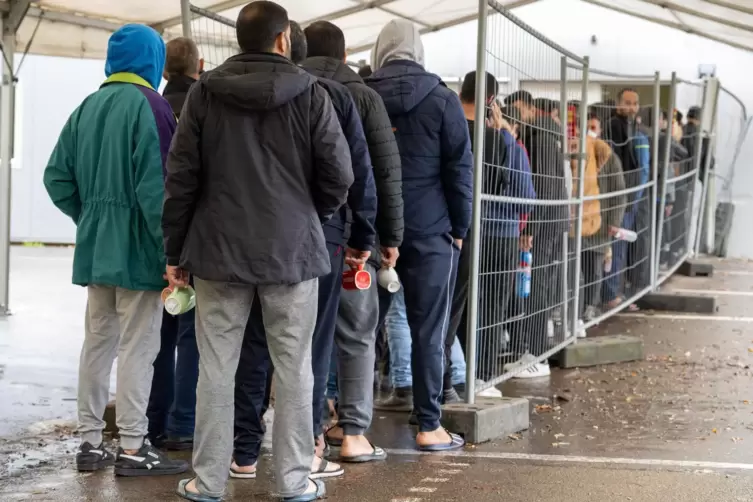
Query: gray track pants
[[123, 323], [289, 313], [355, 338]]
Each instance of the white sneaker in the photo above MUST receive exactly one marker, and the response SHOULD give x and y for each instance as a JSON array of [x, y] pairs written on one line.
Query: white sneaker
[[490, 392], [581, 329], [532, 368]]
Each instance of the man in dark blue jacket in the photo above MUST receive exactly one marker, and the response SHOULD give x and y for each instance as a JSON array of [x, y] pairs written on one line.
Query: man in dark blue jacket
[[251, 391], [435, 150]]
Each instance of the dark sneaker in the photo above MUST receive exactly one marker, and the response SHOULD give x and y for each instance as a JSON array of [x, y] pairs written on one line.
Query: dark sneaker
[[401, 399], [178, 443], [148, 461], [450, 396], [90, 458]]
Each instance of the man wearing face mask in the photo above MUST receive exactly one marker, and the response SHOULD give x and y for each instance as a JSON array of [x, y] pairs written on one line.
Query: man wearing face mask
[[258, 163]]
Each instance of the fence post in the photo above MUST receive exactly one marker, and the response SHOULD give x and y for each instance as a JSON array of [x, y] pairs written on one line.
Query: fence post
[[566, 156], [654, 256], [478, 176], [663, 188], [582, 127], [185, 17], [707, 160]]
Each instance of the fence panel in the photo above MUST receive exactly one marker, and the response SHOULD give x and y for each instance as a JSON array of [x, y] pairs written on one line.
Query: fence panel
[[213, 34], [522, 238], [680, 195]]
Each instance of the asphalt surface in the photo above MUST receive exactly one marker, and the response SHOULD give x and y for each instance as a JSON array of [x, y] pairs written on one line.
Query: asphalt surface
[[676, 426]]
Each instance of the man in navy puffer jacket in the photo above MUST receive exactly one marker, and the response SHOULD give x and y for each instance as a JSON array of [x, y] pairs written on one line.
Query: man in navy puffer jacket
[[435, 150]]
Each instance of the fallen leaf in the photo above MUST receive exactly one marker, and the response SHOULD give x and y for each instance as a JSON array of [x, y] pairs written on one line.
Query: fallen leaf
[[560, 444], [543, 408], [714, 431], [515, 437], [558, 436], [746, 402], [590, 437]]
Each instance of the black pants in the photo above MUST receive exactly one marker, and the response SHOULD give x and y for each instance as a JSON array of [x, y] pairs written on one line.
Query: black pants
[[251, 388], [592, 268], [529, 334], [427, 270]]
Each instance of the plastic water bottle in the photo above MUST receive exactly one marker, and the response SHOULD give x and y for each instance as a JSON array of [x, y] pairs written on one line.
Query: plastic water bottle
[[624, 234], [524, 274]]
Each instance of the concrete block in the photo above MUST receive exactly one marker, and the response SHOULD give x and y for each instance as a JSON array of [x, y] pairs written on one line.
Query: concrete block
[[489, 418], [600, 350], [678, 303], [109, 418], [693, 268]]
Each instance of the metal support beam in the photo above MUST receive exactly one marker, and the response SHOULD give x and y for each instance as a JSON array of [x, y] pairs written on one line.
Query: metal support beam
[[17, 13], [669, 24], [185, 16], [731, 6], [74, 19], [374, 4], [6, 152], [673, 7]]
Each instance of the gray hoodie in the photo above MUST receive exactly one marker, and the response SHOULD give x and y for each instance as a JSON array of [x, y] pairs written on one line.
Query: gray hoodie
[[399, 39]]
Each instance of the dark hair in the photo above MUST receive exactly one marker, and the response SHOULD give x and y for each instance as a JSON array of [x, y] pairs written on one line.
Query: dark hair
[[546, 105], [259, 24], [468, 89], [694, 113], [521, 95], [623, 91], [182, 57], [678, 116], [298, 45], [594, 116], [325, 39], [365, 71], [512, 115]]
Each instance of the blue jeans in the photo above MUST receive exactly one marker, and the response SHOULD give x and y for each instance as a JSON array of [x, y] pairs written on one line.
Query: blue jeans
[[172, 403], [613, 282], [399, 339]]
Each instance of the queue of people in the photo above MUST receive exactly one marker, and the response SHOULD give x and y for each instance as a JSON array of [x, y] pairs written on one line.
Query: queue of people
[[262, 184]]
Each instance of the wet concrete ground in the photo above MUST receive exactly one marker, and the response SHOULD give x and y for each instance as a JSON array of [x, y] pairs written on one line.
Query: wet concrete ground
[[677, 426]]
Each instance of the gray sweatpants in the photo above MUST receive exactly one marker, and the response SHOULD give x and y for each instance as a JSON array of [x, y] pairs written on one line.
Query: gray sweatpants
[[289, 313], [355, 338], [123, 323]]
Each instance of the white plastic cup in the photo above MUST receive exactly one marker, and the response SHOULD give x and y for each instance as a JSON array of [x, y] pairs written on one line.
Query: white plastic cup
[[624, 234], [388, 279]]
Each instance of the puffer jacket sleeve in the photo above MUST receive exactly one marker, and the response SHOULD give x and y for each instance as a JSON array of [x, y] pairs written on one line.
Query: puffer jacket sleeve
[[333, 173], [388, 174], [182, 182], [362, 198], [457, 166]]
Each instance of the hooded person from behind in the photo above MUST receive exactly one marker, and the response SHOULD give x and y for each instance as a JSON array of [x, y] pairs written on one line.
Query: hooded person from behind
[[106, 174], [435, 152]]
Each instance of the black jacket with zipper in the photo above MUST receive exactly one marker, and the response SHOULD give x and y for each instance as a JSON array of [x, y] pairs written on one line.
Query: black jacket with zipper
[[385, 156], [258, 162]]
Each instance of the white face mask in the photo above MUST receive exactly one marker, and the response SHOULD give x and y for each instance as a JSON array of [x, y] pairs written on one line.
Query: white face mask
[[592, 134]]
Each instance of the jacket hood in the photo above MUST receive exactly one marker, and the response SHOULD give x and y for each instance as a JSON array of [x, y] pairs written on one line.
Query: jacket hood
[[399, 40], [137, 49], [332, 69], [403, 85], [257, 81]]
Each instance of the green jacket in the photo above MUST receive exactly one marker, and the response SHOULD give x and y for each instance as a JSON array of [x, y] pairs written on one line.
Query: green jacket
[[107, 174]]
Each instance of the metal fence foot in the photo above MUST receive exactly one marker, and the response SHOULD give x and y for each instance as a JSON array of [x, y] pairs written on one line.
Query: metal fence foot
[[600, 350], [487, 419]]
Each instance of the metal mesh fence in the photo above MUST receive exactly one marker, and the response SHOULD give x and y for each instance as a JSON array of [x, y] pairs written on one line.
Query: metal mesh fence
[[214, 35]]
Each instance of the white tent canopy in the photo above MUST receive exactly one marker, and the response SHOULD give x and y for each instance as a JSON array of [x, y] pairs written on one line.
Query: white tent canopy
[[80, 28]]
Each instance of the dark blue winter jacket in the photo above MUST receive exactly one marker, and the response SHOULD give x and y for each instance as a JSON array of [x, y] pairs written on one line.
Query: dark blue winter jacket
[[502, 219], [435, 149], [362, 199]]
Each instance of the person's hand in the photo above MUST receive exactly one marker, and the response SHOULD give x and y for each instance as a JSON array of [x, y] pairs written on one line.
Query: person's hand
[[526, 242], [176, 277], [354, 257], [495, 121], [667, 211], [389, 257], [613, 231], [459, 243]]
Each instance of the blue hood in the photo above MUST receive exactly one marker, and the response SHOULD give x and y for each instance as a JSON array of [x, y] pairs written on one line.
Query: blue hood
[[403, 85], [138, 49]]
